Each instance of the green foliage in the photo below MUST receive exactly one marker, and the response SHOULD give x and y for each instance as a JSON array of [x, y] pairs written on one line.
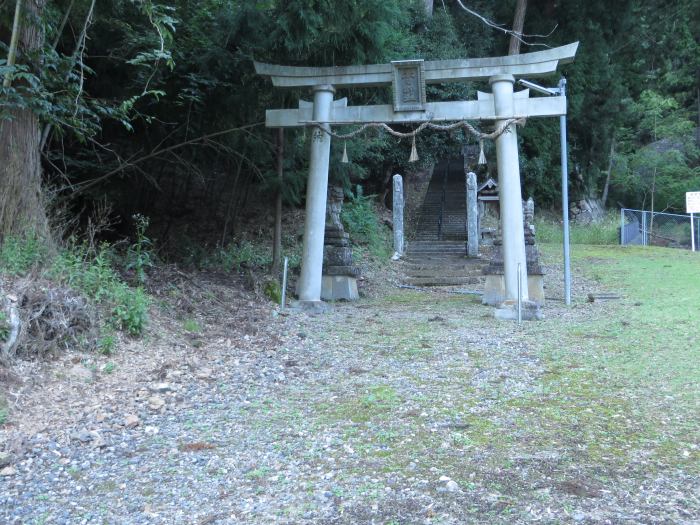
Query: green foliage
[[362, 222], [107, 342], [191, 325], [603, 232], [235, 256], [94, 276], [273, 291], [19, 255], [139, 257], [130, 309]]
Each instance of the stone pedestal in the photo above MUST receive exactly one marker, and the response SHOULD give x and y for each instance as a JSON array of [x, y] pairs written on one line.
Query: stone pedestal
[[495, 292], [339, 280]]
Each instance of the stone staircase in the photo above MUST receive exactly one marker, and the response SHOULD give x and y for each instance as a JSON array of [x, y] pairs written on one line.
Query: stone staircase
[[437, 255]]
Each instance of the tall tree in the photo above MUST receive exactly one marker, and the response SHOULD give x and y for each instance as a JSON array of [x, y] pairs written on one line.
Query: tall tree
[[21, 202], [518, 23]]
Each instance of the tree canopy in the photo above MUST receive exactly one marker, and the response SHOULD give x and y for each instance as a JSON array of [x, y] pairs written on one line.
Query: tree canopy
[[154, 105]]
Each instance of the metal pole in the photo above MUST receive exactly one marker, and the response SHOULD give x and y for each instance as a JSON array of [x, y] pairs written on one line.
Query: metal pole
[[565, 197], [692, 231], [622, 226], [520, 294], [284, 284]]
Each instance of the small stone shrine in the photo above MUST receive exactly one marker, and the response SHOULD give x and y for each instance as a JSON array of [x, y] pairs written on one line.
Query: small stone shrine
[[489, 211], [339, 278], [494, 290]]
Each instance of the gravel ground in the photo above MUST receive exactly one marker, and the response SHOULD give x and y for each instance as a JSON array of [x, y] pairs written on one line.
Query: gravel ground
[[408, 408]]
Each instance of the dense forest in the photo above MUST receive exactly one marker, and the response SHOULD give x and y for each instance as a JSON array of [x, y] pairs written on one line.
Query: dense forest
[[153, 107]]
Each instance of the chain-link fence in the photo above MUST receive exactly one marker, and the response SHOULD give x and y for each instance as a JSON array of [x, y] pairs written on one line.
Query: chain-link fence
[[658, 229]]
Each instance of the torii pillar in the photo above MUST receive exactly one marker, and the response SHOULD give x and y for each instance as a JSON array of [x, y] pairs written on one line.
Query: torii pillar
[[309, 286], [510, 197]]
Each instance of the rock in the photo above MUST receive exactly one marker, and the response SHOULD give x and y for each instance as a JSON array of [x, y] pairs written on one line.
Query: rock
[[83, 436], [445, 478], [452, 486], [203, 373], [97, 440], [5, 459], [131, 421], [162, 388], [8, 471], [156, 402]]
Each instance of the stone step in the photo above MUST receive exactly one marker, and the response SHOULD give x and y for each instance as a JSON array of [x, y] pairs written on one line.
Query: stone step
[[444, 274], [453, 259], [466, 265], [443, 281], [435, 244], [435, 261], [436, 253], [428, 244]]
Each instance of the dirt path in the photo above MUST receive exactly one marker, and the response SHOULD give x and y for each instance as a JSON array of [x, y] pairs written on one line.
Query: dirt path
[[411, 408]]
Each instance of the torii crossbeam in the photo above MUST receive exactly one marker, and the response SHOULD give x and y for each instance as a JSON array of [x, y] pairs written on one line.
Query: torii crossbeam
[[408, 78]]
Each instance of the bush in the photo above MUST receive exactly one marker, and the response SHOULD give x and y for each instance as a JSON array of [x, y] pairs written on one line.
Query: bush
[[235, 256], [273, 291], [95, 277], [361, 221], [19, 255]]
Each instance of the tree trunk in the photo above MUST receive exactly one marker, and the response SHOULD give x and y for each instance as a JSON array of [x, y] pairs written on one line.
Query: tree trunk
[[21, 204], [429, 8], [277, 241], [604, 198], [12, 53], [518, 23]]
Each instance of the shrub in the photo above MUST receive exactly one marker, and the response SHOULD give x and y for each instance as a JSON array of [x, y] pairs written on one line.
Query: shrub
[[130, 309], [19, 255], [95, 277], [107, 342], [273, 291], [361, 221]]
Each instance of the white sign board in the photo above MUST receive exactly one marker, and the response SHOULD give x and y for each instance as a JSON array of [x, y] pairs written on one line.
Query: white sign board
[[692, 202]]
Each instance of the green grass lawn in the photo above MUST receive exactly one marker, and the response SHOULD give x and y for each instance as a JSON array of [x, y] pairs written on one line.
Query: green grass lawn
[[629, 372], [652, 332]]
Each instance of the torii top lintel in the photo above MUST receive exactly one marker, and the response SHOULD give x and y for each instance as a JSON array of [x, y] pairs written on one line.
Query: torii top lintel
[[537, 64]]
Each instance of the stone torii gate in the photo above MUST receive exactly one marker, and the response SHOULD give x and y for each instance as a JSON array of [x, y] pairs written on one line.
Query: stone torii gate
[[408, 79]]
